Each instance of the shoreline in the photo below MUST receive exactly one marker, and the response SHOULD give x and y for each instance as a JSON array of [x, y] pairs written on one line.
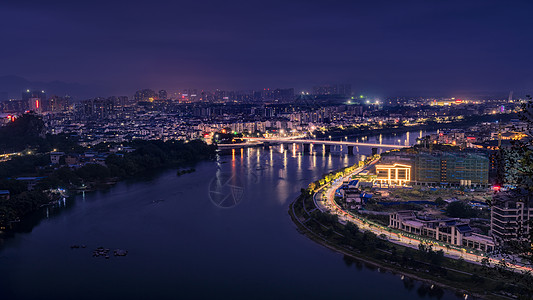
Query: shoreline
[[101, 185], [302, 229], [466, 287]]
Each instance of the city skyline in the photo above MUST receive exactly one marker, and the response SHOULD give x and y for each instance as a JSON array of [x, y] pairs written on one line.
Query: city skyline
[[16, 86], [244, 149], [412, 48]]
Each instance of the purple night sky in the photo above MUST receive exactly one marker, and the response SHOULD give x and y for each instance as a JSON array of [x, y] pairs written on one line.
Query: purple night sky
[[382, 47]]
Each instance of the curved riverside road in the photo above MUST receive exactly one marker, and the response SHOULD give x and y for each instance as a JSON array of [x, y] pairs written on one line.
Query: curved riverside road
[[329, 205]]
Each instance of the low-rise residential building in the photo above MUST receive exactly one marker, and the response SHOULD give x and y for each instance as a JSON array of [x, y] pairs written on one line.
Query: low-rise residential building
[[4, 195], [30, 181], [452, 231], [353, 197], [55, 157], [395, 174]]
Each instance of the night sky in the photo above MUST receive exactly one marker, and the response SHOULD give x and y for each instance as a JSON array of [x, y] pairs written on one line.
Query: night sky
[[381, 47]]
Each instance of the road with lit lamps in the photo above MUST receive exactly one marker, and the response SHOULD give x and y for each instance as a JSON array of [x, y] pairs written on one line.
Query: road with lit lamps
[[320, 142], [326, 203]]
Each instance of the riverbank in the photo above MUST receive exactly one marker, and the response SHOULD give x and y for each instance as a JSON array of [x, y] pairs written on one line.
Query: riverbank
[[258, 227], [425, 265], [149, 157]]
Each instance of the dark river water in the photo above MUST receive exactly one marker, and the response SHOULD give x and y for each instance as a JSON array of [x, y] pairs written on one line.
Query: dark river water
[[222, 232]]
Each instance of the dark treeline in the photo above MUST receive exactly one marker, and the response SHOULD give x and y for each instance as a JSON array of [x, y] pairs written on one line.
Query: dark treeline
[[27, 132], [148, 156], [487, 278]]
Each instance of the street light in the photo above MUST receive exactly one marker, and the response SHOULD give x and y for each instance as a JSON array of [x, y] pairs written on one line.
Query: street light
[[330, 138]]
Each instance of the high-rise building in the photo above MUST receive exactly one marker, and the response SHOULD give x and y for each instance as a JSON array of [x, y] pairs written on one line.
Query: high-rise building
[[457, 169], [97, 108], [35, 99], [163, 95], [444, 168], [333, 89], [14, 106], [344, 89], [325, 90], [27, 95], [56, 104], [283, 95], [145, 95], [511, 216], [119, 101]]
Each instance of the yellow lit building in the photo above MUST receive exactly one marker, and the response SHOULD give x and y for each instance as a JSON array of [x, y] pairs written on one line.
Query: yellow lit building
[[396, 174]]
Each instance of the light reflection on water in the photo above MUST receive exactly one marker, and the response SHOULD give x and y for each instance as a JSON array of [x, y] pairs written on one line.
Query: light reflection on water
[[187, 246]]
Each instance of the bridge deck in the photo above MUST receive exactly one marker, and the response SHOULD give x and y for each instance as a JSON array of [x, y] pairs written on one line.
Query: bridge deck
[[322, 142]]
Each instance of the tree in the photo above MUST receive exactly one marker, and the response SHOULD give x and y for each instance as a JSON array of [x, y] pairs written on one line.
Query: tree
[[460, 209], [440, 202], [517, 160], [516, 168], [26, 131], [485, 263]]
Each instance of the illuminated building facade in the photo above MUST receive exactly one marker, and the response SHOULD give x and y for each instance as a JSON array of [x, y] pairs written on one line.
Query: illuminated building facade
[[452, 231], [35, 99], [436, 168], [457, 169], [511, 216], [395, 174]]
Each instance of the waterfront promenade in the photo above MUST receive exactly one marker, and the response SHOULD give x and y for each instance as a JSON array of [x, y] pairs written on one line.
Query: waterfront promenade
[[325, 202]]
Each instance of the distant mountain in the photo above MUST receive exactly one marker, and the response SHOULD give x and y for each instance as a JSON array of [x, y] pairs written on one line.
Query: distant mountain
[[11, 87]]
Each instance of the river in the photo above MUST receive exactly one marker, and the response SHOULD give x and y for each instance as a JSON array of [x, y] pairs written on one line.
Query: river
[[220, 232]]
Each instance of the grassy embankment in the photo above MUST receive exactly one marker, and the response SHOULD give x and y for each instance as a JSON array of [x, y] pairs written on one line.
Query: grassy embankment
[[490, 282]]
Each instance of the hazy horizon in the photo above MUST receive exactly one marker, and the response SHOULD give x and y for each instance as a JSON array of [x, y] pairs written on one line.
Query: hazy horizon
[[383, 48]]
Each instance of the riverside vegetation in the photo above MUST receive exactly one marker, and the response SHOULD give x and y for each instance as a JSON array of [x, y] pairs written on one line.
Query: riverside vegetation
[[148, 156]]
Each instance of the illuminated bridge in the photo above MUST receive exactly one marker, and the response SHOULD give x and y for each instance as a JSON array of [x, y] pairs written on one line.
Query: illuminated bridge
[[321, 142], [306, 143]]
